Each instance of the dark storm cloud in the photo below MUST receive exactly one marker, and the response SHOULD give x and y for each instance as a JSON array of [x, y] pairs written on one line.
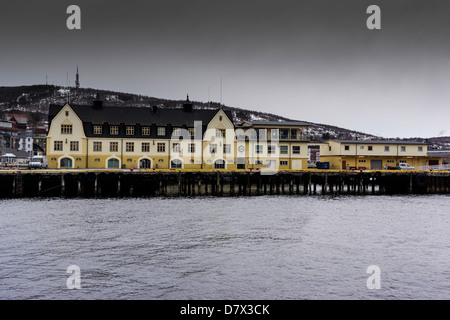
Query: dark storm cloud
[[309, 60]]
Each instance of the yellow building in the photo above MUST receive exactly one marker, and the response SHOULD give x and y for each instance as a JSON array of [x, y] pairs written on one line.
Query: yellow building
[[375, 155], [272, 145], [98, 137]]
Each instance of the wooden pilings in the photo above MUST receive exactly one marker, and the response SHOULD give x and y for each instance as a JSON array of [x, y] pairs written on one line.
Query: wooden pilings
[[220, 183]]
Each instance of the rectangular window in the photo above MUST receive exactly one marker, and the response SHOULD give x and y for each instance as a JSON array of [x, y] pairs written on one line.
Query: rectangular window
[[261, 134], [74, 145], [213, 148], [145, 147], [161, 131], [97, 146], [227, 148], [145, 131], [220, 133], [270, 149], [129, 147], [403, 149], [284, 133], [386, 148], [259, 162], [176, 132], [114, 130], [66, 128], [113, 146], [161, 147], [296, 149], [346, 148], [274, 133], [283, 163], [98, 129], [192, 147], [191, 132], [294, 134], [130, 131], [420, 149], [176, 147], [284, 150], [370, 148], [58, 146], [259, 148]]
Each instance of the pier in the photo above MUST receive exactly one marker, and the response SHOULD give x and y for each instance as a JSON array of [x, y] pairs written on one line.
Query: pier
[[151, 183]]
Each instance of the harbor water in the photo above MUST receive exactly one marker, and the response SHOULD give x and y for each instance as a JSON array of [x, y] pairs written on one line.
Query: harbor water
[[266, 247]]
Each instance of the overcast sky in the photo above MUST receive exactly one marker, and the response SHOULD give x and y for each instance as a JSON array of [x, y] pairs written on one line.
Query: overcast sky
[[307, 60]]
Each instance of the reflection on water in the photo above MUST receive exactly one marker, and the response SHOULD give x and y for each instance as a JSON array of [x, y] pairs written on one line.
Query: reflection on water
[[226, 248]]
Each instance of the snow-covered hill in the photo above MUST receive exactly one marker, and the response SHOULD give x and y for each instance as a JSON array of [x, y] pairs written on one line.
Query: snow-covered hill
[[37, 98]]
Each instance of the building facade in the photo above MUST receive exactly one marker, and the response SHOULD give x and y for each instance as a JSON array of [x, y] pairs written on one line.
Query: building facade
[[375, 154], [101, 137]]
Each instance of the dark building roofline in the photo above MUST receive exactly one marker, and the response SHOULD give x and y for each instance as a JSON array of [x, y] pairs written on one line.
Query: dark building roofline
[[139, 117], [142, 115]]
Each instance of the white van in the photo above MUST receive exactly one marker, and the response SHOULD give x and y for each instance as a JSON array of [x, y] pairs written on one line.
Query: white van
[[404, 166], [38, 162]]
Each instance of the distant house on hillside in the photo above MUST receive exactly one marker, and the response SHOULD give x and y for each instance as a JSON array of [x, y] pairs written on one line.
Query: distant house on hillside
[[8, 134], [19, 121]]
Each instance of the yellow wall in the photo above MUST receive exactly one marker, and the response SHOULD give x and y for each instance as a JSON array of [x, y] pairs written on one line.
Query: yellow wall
[[65, 116]]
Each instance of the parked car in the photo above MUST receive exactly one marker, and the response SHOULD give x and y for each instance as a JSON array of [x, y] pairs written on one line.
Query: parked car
[[399, 166], [404, 166], [38, 162]]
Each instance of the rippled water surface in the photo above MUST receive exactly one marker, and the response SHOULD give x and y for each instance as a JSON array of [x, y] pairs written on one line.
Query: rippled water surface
[[226, 248]]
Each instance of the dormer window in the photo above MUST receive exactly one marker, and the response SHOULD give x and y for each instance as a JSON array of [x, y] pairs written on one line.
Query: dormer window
[[161, 131], [114, 130], [98, 130], [130, 131], [176, 132], [145, 131]]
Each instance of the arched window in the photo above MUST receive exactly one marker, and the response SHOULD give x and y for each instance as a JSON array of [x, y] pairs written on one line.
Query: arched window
[[145, 164], [113, 163], [66, 163], [176, 164], [219, 164]]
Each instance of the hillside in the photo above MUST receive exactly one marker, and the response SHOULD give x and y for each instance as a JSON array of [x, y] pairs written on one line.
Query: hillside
[[36, 99]]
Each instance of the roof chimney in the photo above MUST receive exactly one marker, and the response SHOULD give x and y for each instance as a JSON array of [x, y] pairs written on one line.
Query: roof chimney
[[155, 109], [98, 103]]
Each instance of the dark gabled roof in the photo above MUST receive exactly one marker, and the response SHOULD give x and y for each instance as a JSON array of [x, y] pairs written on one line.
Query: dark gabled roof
[[20, 120], [141, 115], [378, 141]]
